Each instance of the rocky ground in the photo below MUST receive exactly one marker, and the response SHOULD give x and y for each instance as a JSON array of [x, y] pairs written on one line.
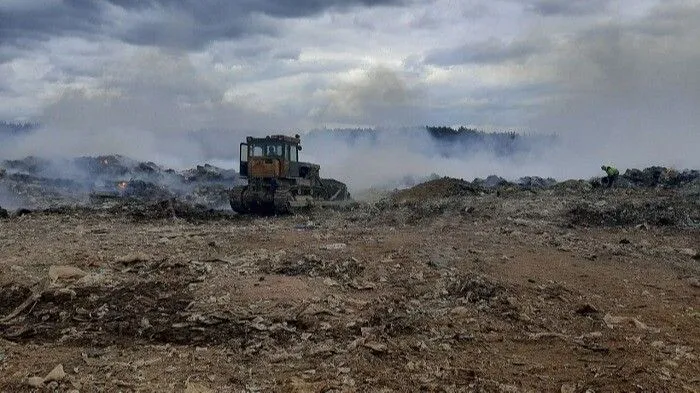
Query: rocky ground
[[448, 286]]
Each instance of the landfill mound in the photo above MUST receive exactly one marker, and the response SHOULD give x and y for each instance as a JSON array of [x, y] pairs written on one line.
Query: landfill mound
[[37, 183], [623, 213], [439, 188], [657, 176], [652, 177], [487, 286]]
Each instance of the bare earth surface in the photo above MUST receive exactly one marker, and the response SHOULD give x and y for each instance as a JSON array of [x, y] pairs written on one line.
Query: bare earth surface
[[563, 290]]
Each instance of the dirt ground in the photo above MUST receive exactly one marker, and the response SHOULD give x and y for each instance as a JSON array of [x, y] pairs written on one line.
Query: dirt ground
[[516, 291]]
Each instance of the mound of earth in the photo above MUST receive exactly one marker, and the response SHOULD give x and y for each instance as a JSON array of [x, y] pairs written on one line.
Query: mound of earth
[[439, 188]]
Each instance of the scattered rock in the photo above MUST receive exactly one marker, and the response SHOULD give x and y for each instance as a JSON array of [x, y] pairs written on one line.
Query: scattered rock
[[57, 374], [612, 321], [688, 251], [540, 335], [694, 282], [35, 382], [191, 387], [459, 310], [308, 225], [376, 347], [132, 258], [90, 280], [65, 272], [334, 246], [362, 285], [568, 388], [587, 309]]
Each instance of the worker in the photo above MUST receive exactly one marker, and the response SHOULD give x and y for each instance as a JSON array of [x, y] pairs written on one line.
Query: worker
[[611, 175]]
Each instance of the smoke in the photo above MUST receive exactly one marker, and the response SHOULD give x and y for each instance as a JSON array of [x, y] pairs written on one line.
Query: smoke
[[398, 157], [630, 92], [624, 92], [147, 106], [377, 96]]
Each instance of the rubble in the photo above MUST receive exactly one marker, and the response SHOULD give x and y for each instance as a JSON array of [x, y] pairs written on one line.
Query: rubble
[[536, 182], [624, 213], [438, 188], [65, 272], [491, 181], [660, 177], [93, 181], [56, 374], [35, 382], [452, 285], [613, 322]]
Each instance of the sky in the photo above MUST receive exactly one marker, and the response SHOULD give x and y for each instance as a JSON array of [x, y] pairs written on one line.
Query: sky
[[618, 79]]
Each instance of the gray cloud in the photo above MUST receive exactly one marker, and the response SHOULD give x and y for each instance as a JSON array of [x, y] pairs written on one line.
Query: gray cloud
[[566, 7], [146, 105], [23, 23], [486, 52], [187, 24]]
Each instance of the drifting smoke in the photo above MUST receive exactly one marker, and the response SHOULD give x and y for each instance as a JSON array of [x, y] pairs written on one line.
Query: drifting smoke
[[630, 93], [399, 157], [623, 92]]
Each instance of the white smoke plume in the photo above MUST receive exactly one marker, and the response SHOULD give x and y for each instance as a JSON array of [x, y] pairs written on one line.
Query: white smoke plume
[[624, 92]]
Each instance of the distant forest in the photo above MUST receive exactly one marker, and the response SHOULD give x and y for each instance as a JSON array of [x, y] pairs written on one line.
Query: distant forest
[[450, 141], [16, 127]]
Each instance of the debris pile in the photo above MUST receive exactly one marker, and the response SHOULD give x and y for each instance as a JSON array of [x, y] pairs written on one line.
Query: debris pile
[[658, 213], [373, 298], [37, 183], [439, 188], [657, 176], [534, 182], [578, 202]]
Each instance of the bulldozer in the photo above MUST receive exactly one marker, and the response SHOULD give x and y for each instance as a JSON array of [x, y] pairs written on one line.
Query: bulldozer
[[278, 183]]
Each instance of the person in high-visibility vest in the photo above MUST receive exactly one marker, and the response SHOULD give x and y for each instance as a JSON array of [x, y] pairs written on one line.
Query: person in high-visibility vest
[[612, 174]]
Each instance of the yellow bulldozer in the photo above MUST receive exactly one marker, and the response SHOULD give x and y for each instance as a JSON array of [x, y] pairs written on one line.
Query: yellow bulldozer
[[278, 183]]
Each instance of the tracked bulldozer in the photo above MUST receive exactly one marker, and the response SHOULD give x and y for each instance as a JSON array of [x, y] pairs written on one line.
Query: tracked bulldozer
[[278, 183]]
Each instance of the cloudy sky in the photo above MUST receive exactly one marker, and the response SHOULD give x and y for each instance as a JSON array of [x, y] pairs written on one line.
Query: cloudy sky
[[618, 70]]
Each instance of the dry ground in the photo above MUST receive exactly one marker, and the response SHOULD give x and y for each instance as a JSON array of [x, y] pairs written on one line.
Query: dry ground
[[493, 293]]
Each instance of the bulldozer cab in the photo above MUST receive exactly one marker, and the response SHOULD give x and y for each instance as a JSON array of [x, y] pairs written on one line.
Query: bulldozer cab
[[275, 156]]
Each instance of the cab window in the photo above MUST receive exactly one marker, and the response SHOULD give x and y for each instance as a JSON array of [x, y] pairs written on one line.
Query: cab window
[[274, 151]]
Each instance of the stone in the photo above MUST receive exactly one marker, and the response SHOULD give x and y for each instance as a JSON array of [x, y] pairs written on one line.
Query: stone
[[459, 310], [613, 321], [586, 309], [688, 251], [57, 374], [65, 272], [568, 388], [694, 282], [132, 258], [376, 347], [334, 246], [35, 382], [197, 388]]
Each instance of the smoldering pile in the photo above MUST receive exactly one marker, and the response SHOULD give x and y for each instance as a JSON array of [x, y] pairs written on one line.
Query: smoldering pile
[[105, 181], [653, 196]]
